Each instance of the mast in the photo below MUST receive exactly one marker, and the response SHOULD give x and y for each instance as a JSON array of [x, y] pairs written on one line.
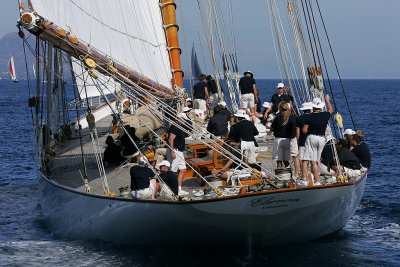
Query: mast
[[171, 35]]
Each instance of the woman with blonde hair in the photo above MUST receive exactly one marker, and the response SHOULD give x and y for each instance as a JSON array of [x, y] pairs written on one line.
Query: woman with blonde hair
[[284, 128]]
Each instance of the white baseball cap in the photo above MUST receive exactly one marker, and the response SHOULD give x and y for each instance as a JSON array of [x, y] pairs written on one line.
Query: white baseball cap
[[306, 106], [182, 115], [349, 132], [188, 99], [143, 160], [164, 163], [186, 109], [266, 105], [222, 104], [317, 103], [280, 85], [240, 113]]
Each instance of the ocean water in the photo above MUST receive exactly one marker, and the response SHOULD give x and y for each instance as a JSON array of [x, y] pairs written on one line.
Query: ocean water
[[371, 237]]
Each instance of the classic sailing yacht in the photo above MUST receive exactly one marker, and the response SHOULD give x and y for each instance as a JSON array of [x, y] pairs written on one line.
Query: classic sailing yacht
[[127, 53], [11, 69]]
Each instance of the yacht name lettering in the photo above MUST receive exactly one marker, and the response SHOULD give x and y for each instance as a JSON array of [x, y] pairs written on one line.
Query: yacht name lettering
[[271, 200]]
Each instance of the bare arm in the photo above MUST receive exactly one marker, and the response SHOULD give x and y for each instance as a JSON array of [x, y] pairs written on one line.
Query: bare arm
[[171, 139], [305, 129], [328, 104], [208, 96], [297, 133]]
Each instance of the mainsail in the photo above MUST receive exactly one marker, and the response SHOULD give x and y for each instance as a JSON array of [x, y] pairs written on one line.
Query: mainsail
[[130, 32], [12, 69]]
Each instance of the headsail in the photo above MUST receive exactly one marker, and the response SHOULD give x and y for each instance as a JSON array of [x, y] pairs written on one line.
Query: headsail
[[196, 70], [130, 32]]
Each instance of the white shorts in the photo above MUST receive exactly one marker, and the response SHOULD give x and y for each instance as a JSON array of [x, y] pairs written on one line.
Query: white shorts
[[214, 98], [294, 147], [143, 193], [300, 154], [249, 150], [247, 101], [179, 162], [200, 104], [352, 173], [313, 147], [281, 149]]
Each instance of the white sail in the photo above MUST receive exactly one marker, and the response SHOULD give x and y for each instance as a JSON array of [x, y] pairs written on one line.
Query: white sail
[[131, 32], [12, 69], [89, 87]]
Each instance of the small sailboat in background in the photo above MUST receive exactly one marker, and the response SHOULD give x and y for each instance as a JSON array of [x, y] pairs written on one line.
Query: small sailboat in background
[[12, 70]]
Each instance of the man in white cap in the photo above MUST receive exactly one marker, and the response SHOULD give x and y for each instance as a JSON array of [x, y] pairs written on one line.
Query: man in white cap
[[224, 110], [307, 108], [348, 135], [248, 92], [189, 102], [143, 180], [315, 126], [245, 131], [169, 179], [279, 97], [176, 142]]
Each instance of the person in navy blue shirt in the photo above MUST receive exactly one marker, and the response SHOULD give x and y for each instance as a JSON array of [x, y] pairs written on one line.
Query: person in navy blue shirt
[[279, 97], [248, 92], [361, 149], [315, 126], [169, 178], [212, 90], [143, 180], [200, 95]]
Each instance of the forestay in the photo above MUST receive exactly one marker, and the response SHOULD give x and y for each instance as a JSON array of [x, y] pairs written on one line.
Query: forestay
[[130, 32]]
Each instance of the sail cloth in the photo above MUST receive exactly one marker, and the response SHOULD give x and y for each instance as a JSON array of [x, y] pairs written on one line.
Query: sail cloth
[[88, 87], [129, 31], [12, 69], [196, 71]]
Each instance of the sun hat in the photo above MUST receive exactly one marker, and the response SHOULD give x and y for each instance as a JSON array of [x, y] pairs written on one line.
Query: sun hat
[[222, 104], [266, 105], [188, 99], [317, 103], [164, 163], [306, 106], [240, 113], [186, 109], [182, 115], [249, 72], [280, 85], [349, 132]]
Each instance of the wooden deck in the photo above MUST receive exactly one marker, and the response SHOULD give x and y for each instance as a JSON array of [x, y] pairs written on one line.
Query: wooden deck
[[66, 166]]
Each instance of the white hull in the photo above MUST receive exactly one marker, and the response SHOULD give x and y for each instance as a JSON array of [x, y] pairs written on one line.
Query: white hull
[[268, 218]]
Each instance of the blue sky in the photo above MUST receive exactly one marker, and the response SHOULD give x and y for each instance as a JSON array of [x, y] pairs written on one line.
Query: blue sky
[[365, 35]]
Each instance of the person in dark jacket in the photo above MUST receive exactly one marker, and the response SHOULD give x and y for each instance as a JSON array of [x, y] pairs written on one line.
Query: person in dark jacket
[[348, 162], [284, 128], [129, 147], [361, 150], [201, 96], [225, 111], [112, 153], [218, 124]]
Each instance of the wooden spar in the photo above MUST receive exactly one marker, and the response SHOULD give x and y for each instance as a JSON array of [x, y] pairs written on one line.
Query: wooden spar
[[51, 33], [171, 35]]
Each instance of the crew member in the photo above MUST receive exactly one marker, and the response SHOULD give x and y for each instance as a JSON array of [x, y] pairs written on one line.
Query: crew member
[[218, 124], [112, 153], [248, 91], [245, 131], [315, 125], [284, 128], [279, 97], [143, 180], [200, 94], [349, 163], [361, 150], [176, 141], [170, 180], [306, 107], [224, 110], [213, 89]]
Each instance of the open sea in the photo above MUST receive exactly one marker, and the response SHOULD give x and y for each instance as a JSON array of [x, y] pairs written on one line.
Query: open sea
[[371, 237]]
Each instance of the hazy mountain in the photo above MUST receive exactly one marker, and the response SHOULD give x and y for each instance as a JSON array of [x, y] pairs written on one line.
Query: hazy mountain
[[11, 45]]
